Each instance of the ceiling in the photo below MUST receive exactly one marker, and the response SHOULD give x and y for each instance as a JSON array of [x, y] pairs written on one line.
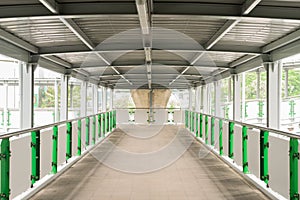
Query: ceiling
[[151, 43]]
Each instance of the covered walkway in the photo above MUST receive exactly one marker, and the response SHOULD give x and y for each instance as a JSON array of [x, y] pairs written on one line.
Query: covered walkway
[[197, 174]]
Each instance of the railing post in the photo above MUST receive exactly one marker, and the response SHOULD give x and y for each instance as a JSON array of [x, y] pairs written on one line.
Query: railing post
[[190, 120], [230, 140], [115, 119], [79, 138], [197, 124], [54, 149], [35, 157], [245, 149], [221, 148], [107, 122], [193, 122], [294, 157], [264, 156], [201, 125], [99, 125], [111, 120], [94, 130], [87, 131], [69, 141], [212, 128], [206, 129], [5, 166], [186, 118]]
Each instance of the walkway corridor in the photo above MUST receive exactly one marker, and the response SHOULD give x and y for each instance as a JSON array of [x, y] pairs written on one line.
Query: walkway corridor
[[197, 174]]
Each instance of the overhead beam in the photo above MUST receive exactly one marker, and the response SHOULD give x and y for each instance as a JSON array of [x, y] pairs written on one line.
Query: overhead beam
[[58, 61], [249, 5], [282, 41], [82, 49], [51, 5]]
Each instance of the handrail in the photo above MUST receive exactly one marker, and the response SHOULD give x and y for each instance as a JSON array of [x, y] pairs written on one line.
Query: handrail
[[279, 132], [151, 108], [20, 132]]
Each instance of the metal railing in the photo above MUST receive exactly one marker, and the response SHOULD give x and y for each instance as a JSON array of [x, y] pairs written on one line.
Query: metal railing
[[198, 124], [106, 122]]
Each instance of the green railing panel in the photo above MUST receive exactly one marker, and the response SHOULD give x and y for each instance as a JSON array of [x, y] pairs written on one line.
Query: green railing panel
[[87, 131], [35, 157], [245, 149], [5, 167], [54, 149], [94, 130], [212, 132], [69, 141], [230, 140], [201, 125], [79, 138], [206, 129], [99, 125], [221, 148], [294, 158], [264, 156]]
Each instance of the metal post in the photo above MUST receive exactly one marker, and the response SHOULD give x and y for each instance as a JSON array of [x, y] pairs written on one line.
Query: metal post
[[35, 157], [69, 141], [103, 124], [193, 121], [201, 125], [245, 149], [99, 125], [83, 102], [294, 158], [221, 137], [5, 166], [87, 131], [94, 130], [264, 156], [64, 97], [5, 107], [107, 122], [104, 99], [79, 138], [206, 129], [54, 149], [212, 132], [115, 119], [230, 139], [236, 97]]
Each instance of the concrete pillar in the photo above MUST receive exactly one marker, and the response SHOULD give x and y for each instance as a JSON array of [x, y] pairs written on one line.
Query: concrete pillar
[[236, 97], [273, 93], [83, 94], [197, 99], [217, 91], [26, 95], [205, 99], [190, 99], [243, 96], [104, 99], [64, 97], [5, 107], [56, 109]]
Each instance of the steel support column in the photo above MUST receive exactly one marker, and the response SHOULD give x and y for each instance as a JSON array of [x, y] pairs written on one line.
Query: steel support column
[[273, 93], [217, 98], [64, 97], [104, 99], [83, 92], [95, 99], [26, 95], [236, 97]]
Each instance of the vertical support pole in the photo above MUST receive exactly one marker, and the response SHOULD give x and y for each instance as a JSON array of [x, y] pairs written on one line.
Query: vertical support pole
[[190, 120], [294, 159], [110, 121], [218, 98], [64, 97], [87, 131], [95, 99], [197, 124], [54, 149], [206, 129], [69, 141], [83, 102], [273, 93], [264, 156], [5, 108], [230, 140], [5, 166], [212, 132], [115, 119], [245, 149], [201, 125], [193, 121], [236, 97], [99, 125], [221, 148], [79, 138], [185, 118], [94, 130], [35, 157], [104, 99], [107, 122], [26, 95]]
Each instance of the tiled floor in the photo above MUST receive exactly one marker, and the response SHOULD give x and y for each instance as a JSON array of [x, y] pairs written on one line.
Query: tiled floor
[[189, 177]]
